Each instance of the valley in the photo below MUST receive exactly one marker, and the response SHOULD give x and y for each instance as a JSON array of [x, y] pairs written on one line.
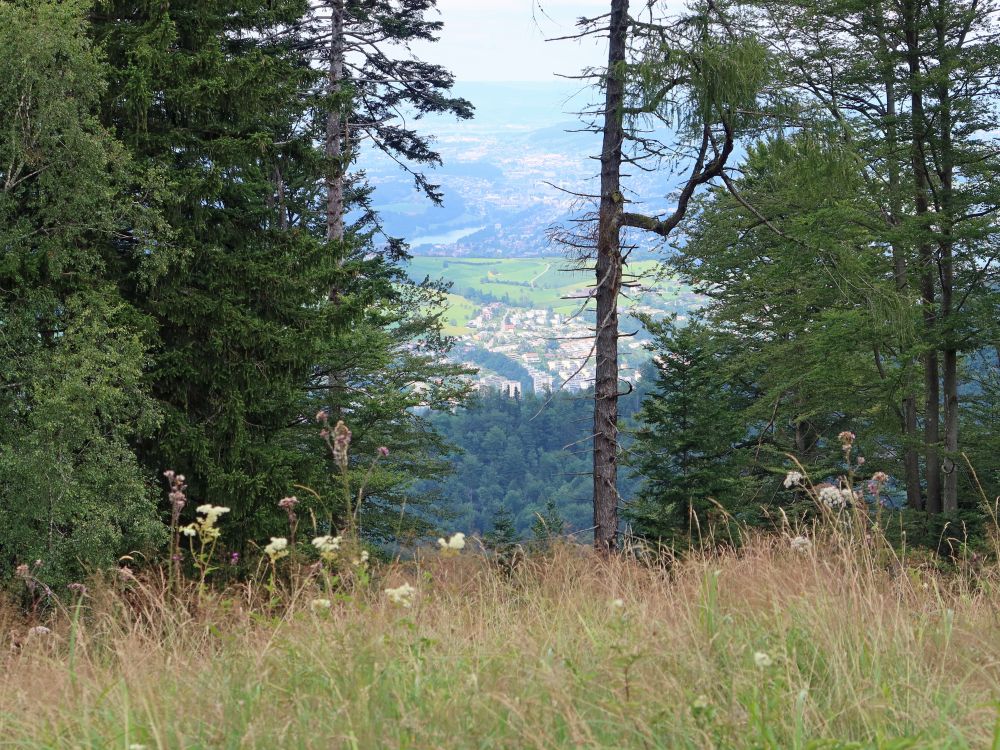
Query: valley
[[527, 323]]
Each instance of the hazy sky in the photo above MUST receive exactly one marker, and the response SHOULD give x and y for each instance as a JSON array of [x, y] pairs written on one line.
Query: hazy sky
[[503, 40]]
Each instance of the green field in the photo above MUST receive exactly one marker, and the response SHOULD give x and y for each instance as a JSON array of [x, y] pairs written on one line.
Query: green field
[[520, 282]]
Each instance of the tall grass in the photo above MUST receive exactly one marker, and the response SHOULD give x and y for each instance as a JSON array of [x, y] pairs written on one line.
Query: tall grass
[[765, 647]]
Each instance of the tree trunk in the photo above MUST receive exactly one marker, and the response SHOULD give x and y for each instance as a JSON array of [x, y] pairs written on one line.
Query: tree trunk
[[928, 287], [609, 276], [334, 146], [946, 268], [911, 456]]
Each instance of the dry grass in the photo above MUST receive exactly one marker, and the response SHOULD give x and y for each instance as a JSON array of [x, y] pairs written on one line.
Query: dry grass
[[866, 653]]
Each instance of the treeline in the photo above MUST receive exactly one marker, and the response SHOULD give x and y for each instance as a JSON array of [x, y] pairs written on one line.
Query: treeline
[[178, 287], [517, 456], [499, 363], [850, 264]]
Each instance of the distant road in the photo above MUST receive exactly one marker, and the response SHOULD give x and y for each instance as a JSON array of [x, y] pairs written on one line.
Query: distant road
[[547, 267]]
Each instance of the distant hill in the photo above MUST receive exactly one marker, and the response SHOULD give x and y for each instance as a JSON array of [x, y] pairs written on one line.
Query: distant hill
[[505, 175]]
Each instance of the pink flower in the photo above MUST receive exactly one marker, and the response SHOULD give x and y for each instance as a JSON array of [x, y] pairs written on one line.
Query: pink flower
[[383, 451]]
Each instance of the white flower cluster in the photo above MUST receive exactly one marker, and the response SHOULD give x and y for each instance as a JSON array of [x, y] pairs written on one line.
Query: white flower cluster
[[801, 544], [762, 659], [402, 595], [277, 549], [835, 498], [454, 544], [205, 528], [327, 546], [793, 479]]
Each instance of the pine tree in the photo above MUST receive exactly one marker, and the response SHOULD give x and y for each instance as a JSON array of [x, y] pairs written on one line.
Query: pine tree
[[910, 87], [252, 343]]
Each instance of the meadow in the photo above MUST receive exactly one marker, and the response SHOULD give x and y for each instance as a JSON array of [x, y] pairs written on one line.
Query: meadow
[[541, 283], [778, 645]]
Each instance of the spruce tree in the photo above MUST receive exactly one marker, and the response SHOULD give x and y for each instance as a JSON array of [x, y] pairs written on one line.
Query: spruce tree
[[689, 436], [548, 525], [226, 100], [502, 539], [204, 94]]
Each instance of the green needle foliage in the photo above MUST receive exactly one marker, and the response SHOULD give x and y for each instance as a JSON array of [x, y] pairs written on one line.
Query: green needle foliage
[[73, 396]]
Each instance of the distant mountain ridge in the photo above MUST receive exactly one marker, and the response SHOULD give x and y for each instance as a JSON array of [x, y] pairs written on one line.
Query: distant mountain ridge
[[508, 175]]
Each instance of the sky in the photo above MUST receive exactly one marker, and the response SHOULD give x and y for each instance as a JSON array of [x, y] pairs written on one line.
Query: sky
[[504, 40]]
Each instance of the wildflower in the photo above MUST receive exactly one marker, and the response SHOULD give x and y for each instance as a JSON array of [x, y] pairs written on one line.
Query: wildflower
[[341, 443], [361, 560], [847, 438], [177, 496], [321, 416], [234, 558], [211, 513], [77, 588], [454, 544], [793, 479], [762, 659], [277, 549], [189, 530], [880, 477], [801, 544], [319, 604], [327, 546], [383, 451], [402, 595], [39, 630], [22, 570], [617, 604], [288, 504], [861, 460], [836, 498]]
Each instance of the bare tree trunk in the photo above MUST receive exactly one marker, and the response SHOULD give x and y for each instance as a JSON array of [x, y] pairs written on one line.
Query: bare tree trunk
[[609, 278], [334, 146], [334, 152], [946, 267]]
